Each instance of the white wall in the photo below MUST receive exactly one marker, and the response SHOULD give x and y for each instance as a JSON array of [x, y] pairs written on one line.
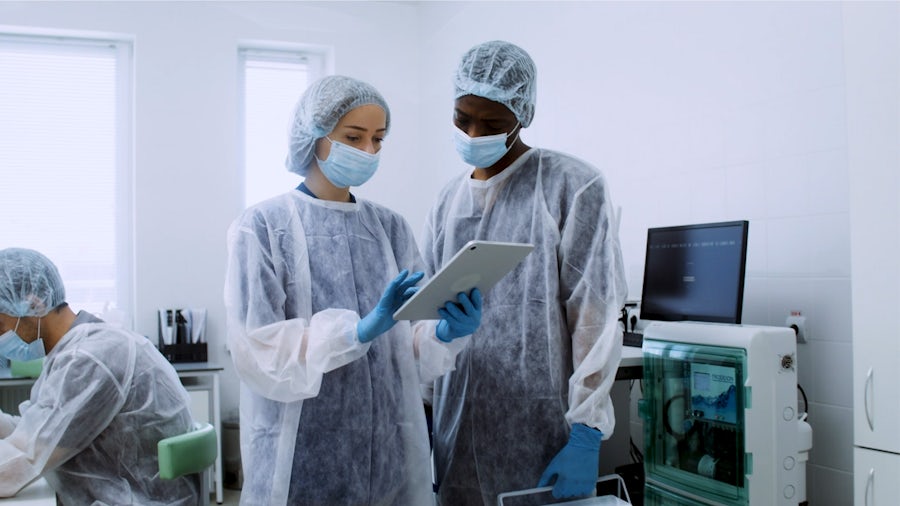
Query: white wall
[[696, 111], [188, 176]]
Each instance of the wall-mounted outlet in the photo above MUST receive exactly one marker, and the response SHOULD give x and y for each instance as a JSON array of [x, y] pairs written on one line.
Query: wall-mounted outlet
[[797, 322]]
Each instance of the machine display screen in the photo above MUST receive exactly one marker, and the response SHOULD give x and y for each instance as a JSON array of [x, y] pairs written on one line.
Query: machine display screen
[[695, 272], [713, 393]]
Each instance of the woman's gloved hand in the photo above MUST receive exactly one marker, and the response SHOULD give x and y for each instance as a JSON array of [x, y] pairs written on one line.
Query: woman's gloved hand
[[576, 466], [458, 320], [381, 319]]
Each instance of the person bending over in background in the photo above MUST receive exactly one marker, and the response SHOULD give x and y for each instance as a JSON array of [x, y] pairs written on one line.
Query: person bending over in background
[[539, 370], [330, 407], [104, 399]]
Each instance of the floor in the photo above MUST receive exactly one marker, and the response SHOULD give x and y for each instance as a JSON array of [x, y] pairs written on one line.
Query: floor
[[229, 497]]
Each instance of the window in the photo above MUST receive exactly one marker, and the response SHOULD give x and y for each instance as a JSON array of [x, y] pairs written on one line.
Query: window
[[273, 80], [65, 149]]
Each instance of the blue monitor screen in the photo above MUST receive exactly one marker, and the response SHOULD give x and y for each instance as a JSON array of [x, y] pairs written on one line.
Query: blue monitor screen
[[695, 272]]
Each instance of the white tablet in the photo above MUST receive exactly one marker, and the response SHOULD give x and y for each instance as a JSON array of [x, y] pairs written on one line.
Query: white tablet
[[478, 264]]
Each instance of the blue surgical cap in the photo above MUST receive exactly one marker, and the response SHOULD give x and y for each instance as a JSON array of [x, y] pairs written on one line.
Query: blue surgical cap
[[502, 72], [318, 111], [30, 285]]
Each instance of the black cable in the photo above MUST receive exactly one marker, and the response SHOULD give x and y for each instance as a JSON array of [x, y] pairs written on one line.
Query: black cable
[[805, 400], [636, 454], [623, 317], [679, 436]]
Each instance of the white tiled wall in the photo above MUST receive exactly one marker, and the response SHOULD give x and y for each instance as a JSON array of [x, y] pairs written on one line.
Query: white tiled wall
[[697, 112], [772, 150]]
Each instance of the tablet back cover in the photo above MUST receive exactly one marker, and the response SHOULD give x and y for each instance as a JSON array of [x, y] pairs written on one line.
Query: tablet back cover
[[477, 264]]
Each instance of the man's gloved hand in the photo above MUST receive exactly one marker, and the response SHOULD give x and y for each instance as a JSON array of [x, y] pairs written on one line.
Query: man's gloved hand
[[576, 466], [458, 320], [381, 319]]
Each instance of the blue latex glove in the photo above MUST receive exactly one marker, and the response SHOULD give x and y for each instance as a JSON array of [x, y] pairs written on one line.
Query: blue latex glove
[[458, 320], [576, 466], [381, 319]]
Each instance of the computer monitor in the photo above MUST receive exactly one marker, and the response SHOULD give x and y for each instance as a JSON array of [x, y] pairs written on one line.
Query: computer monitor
[[695, 272]]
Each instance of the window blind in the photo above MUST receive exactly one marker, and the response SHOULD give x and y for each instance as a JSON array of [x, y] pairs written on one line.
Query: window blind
[[272, 81], [65, 155]]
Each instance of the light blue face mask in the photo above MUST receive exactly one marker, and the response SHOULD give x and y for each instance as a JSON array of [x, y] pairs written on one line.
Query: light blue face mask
[[347, 166], [14, 348], [483, 151]]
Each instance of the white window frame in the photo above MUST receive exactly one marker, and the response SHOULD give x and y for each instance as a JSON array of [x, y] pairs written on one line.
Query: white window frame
[[319, 62], [123, 46]]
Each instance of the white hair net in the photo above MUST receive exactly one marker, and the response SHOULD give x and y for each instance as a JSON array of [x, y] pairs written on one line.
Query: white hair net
[[30, 285], [320, 108], [502, 72]]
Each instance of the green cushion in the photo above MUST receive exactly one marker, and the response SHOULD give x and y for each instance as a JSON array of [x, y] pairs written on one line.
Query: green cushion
[[187, 453], [29, 369]]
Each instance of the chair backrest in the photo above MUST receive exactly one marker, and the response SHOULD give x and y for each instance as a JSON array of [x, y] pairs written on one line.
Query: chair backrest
[[189, 453], [29, 369]]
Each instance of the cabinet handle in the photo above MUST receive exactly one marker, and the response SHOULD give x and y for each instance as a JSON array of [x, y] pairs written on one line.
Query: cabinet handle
[[870, 482], [869, 388]]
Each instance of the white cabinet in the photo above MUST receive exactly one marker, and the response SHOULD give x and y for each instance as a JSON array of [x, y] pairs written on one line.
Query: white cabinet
[[876, 380], [875, 264], [872, 72], [875, 477], [875, 249]]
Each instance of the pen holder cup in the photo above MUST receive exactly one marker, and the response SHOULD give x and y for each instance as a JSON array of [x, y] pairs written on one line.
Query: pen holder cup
[[182, 334], [189, 352]]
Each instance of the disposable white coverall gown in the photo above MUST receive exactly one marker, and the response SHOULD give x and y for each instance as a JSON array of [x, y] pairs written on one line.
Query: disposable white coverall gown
[[548, 347], [103, 401], [326, 419]]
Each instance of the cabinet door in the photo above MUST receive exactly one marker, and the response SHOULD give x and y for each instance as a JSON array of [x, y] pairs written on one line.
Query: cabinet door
[[875, 241], [872, 160], [875, 477], [876, 405]]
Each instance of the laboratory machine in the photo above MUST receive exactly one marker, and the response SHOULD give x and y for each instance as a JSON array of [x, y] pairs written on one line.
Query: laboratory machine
[[721, 423]]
